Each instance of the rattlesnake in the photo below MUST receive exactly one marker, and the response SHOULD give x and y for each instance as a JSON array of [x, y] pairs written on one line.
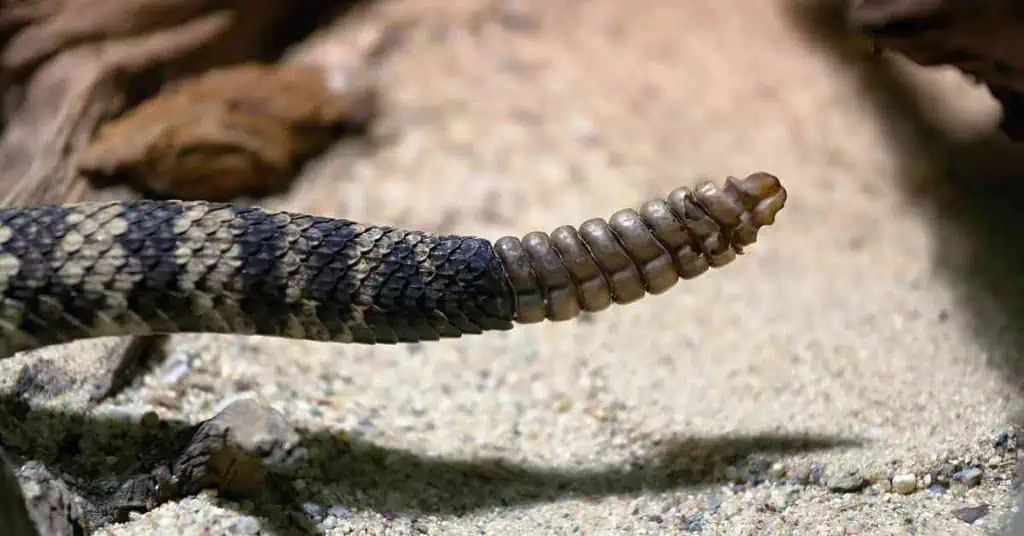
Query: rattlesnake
[[142, 267]]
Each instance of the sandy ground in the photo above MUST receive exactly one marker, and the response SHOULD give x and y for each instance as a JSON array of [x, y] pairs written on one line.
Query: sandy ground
[[867, 335]]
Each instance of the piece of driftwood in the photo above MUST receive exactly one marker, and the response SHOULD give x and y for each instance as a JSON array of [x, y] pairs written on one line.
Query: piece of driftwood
[[236, 131], [982, 38], [68, 66], [36, 30], [70, 95]]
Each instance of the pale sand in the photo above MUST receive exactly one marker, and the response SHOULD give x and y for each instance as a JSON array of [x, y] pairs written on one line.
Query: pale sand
[[855, 319]]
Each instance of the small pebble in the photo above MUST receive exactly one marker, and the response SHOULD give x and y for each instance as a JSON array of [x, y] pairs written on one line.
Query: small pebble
[[905, 483], [972, 513], [149, 420], [339, 511], [816, 473], [562, 404], [778, 500], [885, 484], [248, 525], [801, 474], [846, 483], [177, 367], [695, 522], [970, 476], [777, 471], [314, 510], [730, 509], [515, 16]]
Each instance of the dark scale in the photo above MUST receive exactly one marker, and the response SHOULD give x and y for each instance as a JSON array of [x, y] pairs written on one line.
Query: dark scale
[[52, 312], [151, 240]]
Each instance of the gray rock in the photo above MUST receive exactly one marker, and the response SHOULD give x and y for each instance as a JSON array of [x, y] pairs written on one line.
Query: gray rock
[[970, 476], [232, 451], [972, 513], [339, 511], [248, 525], [695, 522], [800, 474], [936, 489], [142, 493], [55, 509], [904, 483], [314, 510], [17, 521], [849, 483], [778, 500]]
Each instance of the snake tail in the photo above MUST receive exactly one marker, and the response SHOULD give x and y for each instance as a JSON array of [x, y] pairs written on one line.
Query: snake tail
[[556, 276], [143, 267]]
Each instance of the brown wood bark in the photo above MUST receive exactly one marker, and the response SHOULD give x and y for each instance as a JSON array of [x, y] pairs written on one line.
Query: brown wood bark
[[982, 38], [67, 66]]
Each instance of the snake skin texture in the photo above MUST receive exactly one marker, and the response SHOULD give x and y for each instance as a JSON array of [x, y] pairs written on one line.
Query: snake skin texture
[[143, 267]]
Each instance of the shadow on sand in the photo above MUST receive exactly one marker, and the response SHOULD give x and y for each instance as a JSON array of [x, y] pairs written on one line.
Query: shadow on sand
[[385, 480]]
